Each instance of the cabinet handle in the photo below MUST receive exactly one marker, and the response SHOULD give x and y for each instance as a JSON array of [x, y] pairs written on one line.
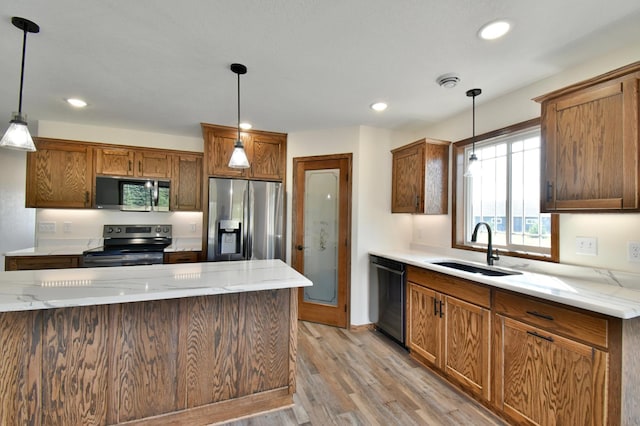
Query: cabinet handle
[[130, 165], [534, 334], [417, 202], [86, 197], [139, 166], [441, 310], [177, 205], [549, 191], [435, 306], [539, 315]]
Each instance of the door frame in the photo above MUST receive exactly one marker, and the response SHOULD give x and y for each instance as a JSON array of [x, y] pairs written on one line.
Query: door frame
[[344, 230]]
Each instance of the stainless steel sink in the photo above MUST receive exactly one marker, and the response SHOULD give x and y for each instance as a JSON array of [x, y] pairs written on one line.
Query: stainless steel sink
[[491, 272]]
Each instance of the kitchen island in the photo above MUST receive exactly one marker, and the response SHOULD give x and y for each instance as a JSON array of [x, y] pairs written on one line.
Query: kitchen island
[[160, 344]]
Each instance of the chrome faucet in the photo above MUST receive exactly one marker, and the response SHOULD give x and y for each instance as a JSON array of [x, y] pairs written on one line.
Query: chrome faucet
[[474, 237]]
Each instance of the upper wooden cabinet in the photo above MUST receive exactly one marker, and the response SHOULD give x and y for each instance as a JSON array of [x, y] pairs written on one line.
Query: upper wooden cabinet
[[133, 162], [420, 178], [266, 151], [187, 182], [590, 144], [59, 174]]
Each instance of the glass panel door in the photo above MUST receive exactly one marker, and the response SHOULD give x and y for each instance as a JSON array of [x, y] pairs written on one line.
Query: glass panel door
[[321, 218]]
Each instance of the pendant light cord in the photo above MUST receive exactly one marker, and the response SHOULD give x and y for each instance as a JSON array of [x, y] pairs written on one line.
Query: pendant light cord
[[473, 126], [24, 50], [238, 107]]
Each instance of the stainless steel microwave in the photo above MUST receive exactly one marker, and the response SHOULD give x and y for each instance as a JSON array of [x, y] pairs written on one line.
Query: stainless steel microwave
[[132, 194]]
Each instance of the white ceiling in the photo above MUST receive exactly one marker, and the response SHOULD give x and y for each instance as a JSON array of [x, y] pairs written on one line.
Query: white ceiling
[[163, 66]]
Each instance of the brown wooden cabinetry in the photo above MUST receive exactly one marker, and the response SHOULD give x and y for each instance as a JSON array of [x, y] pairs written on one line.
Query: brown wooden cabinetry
[[448, 327], [266, 152], [127, 161], [187, 182], [59, 174], [182, 257], [548, 368], [420, 178], [590, 143], [196, 360], [25, 263]]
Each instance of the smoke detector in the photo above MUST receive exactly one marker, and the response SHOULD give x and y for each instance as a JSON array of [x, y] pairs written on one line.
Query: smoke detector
[[448, 81]]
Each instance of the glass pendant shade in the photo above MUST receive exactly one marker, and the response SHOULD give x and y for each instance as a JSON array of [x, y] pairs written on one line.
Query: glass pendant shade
[[473, 166], [239, 158], [17, 136]]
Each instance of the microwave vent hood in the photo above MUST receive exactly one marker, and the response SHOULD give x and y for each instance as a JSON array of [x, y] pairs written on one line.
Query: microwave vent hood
[[132, 194]]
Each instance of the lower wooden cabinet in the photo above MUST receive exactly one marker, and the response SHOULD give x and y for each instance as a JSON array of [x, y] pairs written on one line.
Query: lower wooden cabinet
[[24, 263], [182, 257], [448, 333], [545, 379]]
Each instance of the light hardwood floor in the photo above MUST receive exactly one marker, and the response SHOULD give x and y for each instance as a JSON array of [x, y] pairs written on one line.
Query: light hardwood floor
[[361, 378]]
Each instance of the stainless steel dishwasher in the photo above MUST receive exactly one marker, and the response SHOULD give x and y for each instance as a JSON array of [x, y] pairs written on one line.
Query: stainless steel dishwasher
[[388, 278]]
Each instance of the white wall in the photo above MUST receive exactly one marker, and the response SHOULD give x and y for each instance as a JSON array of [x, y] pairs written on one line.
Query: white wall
[[16, 221], [87, 133], [613, 231], [372, 224]]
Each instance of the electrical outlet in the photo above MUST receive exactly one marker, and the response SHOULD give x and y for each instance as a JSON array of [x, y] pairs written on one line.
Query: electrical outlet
[[66, 227], [194, 227], [587, 246], [47, 227], [633, 251]]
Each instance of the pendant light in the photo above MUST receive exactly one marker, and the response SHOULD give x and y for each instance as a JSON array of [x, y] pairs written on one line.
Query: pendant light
[[473, 164], [17, 136], [239, 157]]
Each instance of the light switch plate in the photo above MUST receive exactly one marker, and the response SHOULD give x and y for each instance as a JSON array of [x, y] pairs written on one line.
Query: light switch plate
[[587, 246], [47, 227]]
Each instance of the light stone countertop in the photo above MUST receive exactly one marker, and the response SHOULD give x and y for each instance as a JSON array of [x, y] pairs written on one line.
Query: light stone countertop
[[58, 288], [607, 292]]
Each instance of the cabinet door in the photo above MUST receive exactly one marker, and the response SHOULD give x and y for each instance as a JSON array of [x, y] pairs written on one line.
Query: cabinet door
[[187, 182], [115, 161], [181, 257], [153, 164], [545, 379], [408, 180], [591, 148], [267, 157], [59, 175], [466, 345], [219, 150], [423, 323], [29, 263]]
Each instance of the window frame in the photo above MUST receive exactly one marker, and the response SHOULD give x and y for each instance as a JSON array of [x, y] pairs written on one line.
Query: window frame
[[458, 196]]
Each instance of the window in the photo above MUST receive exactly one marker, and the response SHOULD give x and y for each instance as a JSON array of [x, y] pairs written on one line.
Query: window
[[505, 193]]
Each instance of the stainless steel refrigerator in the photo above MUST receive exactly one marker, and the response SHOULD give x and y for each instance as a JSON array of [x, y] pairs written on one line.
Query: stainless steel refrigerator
[[245, 220]]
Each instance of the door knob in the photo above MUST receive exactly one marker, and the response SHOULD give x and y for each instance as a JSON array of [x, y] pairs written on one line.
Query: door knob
[[299, 247]]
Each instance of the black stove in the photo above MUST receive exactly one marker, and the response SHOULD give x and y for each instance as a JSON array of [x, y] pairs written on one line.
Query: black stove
[[126, 245]]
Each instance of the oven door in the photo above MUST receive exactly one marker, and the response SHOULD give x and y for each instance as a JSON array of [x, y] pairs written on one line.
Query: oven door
[[95, 260]]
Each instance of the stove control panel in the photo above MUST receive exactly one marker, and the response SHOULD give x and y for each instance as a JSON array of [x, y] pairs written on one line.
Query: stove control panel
[[136, 231]]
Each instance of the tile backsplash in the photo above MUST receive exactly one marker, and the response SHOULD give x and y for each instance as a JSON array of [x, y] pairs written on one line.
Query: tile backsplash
[[60, 227]]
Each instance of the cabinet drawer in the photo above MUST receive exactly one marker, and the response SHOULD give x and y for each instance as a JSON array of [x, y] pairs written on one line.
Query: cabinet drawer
[[564, 321], [181, 257], [450, 285], [27, 263]]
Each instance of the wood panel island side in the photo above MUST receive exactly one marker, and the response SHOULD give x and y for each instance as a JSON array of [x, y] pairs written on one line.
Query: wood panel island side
[[162, 344]]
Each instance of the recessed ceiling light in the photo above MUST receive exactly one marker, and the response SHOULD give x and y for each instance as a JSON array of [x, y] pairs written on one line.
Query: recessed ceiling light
[[245, 126], [78, 103], [494, 30], [379, 106]]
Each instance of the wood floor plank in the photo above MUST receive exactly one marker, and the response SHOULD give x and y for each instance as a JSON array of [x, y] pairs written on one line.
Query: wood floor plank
[[362, 378]]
